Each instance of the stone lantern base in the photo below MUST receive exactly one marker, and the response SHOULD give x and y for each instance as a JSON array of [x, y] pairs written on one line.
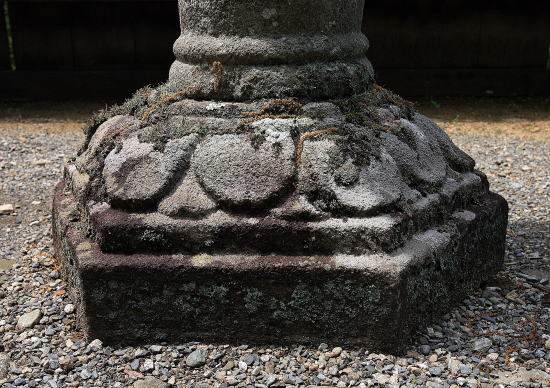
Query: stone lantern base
[[271, 192], [377, 301]]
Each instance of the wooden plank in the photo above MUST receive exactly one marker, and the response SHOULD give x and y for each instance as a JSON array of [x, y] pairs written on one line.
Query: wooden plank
[[103, 34], [156, 29], [4, 51], [423, 34], [41, 35], [515, 33]]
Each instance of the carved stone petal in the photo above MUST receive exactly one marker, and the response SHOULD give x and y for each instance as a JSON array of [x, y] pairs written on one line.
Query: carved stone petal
[[429, 166], [139, 175], [237, 174], [297, 207], [458, 159], [99, 138], [379, 183], [189, 199]]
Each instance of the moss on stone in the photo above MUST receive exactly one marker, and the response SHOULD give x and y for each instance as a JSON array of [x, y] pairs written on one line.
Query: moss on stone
[[162, 132], [128, 107], [359, 139], [360, 109]]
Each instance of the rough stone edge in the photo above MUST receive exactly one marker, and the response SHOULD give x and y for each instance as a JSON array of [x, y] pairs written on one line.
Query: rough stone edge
[[83, 265]]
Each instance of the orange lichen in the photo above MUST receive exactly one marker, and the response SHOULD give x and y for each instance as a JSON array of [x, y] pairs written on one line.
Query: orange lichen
[[304, 137], [277, 105], [217, 69], [168, 99]]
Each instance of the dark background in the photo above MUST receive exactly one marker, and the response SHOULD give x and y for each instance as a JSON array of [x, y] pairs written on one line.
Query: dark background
[[67, 49]]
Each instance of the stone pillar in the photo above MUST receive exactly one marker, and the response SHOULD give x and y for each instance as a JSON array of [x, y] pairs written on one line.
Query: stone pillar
[[249, 49]]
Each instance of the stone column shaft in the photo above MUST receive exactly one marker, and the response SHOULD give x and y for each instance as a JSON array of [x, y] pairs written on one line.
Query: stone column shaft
[[263, 49]]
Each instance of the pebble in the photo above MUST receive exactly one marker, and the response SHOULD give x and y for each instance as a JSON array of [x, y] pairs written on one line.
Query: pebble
[[6, 209], [150, 382], [196, 358], [134, 365], [147, 366], [4, 365], [34, 359], [250, 359], [270, 380], [425, 349], [95, 345], [140, 352], [66, 364], [228, 366], [482, 344], [454, 365], [69, 308], [29, 319]]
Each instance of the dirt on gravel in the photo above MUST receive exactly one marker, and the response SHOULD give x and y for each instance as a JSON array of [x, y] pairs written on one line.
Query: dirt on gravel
[[497, 337], [524, 117]]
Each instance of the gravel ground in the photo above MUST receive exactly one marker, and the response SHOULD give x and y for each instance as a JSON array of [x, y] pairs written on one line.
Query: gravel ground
[[498, 337]]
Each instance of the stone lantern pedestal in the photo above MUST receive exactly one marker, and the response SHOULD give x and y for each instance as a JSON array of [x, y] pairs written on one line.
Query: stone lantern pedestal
[[270, 192]]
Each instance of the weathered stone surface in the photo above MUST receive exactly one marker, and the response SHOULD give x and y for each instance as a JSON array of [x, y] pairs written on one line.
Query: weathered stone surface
[[243, 212], [377, 300], [137, 174], [297, 207], [92, 154], [368, 187], [189, 199], [322, 110], [419, 153], [237, 174], [223, 232]]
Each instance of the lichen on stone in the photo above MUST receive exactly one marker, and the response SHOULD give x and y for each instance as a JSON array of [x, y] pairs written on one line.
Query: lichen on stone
[[323, 304]]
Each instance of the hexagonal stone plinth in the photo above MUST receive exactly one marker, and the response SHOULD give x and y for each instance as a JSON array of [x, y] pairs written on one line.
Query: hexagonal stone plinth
[[377, 300]]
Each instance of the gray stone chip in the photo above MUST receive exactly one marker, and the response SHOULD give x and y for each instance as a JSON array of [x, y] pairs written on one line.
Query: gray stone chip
[[4, 365], [150, 382], [29, 319], [196, 358]]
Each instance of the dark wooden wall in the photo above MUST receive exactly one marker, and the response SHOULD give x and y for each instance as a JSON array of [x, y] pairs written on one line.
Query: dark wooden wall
[[107, 48]]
